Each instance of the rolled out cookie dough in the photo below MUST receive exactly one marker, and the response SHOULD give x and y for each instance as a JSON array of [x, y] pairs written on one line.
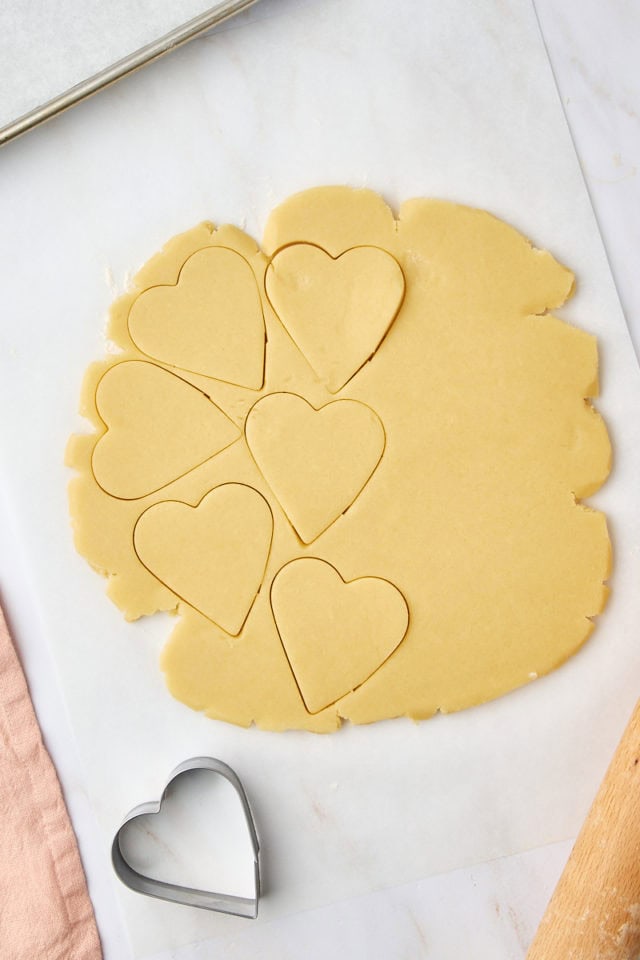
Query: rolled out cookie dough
[[439, 539]]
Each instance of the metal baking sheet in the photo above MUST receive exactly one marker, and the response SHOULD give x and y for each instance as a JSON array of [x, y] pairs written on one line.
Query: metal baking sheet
[[53, 57]]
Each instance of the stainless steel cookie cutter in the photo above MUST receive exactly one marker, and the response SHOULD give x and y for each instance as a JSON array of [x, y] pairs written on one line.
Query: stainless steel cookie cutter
[[207, 900]]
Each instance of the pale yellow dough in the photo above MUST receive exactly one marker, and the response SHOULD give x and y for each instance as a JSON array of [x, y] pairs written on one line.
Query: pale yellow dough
[[315, 461], [210, 322], [418, 430], [336, 308], [213, 555], [158, 427], [322, 622]]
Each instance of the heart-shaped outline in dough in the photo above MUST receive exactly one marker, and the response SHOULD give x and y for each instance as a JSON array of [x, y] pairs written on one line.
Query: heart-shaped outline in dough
[[299, 629], [300, 499], [226, 341], [336, 363], [189, 896], [179, 538], [214, 425]]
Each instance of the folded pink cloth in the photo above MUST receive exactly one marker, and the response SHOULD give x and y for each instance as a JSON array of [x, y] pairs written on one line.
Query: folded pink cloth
[[45, 910]]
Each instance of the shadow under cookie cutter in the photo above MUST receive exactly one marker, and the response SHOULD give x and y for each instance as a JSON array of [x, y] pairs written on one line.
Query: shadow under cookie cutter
[[191, 897]]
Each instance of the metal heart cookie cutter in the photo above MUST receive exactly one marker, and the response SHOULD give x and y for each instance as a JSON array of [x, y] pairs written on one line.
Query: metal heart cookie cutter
[[206, 899]]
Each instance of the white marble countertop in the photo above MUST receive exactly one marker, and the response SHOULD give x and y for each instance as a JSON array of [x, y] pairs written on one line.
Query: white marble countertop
[[489, 911]]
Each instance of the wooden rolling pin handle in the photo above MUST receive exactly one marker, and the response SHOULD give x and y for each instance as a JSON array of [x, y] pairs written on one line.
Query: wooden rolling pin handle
[[594, 913]]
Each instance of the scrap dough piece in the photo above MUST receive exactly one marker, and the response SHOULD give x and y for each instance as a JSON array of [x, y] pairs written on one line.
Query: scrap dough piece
[[472, 511], [337, 309], [212, 555], [315, 461], [335, 634], [210, 322], [158, 428]]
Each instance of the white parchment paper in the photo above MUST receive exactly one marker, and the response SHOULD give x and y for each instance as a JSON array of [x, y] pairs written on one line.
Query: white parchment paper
[[422, 98]]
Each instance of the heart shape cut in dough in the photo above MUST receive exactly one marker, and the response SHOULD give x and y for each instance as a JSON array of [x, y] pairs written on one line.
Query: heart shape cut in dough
[[316, 461], [209, 322], [213, 556], [159, 427], [335, 633], [336, 309], [136, 835]]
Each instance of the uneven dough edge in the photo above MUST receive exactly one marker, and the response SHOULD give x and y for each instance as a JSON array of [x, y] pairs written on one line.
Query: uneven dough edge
[[368, 216]]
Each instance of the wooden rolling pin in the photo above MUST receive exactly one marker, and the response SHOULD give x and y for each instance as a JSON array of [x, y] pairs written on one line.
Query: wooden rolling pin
[[594, 913]]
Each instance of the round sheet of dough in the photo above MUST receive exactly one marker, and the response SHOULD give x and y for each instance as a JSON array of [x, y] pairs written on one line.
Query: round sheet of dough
[[429, 440]]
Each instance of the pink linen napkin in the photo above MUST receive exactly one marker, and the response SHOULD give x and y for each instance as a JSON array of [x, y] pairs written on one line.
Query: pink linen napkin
[[45, 910]]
